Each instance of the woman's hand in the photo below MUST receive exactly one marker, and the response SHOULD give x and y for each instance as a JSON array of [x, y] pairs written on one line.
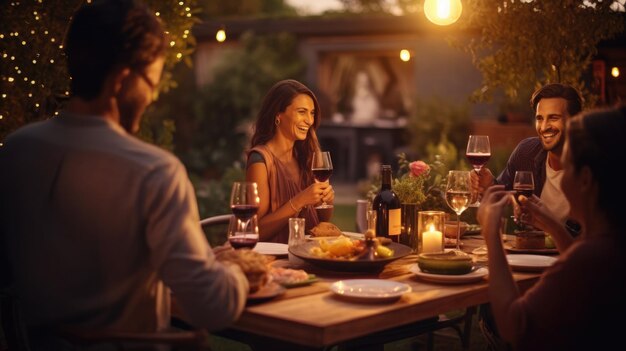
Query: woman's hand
[[491, 209], [537, 214], [328, 195], [314, 194]]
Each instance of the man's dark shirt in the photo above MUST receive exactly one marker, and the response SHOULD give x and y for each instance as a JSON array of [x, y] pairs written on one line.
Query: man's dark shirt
[[529, 155]]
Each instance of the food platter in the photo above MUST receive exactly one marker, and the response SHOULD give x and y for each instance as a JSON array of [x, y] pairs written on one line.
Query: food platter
[[351, 235], [303, 252]]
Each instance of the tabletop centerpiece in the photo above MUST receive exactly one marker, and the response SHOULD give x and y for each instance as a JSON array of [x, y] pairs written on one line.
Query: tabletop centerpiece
[[418, 186]]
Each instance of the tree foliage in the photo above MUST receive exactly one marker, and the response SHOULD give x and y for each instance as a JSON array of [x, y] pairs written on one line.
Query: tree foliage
[[242, 8], [221, 112], [524, 44], [34, 82]]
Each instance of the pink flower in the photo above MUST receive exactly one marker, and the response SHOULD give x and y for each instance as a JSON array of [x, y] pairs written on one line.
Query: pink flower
[[418, 168]]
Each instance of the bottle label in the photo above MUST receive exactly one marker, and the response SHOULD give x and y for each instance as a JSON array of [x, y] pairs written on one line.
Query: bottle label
[[394, 221]]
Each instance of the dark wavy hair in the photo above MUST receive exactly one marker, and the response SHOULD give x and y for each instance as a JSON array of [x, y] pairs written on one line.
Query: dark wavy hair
[[557, 90], [106, 34], [276, 101], [596, 140]]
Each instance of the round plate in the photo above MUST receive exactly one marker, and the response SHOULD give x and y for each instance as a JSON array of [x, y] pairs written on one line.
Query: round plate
[[531, 263], [470, 277], [274, 249], [512, 249], [302, 252], [268, 291], [370, 289]]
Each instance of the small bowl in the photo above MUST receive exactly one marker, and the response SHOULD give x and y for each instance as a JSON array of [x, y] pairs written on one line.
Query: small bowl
[[448, 263]]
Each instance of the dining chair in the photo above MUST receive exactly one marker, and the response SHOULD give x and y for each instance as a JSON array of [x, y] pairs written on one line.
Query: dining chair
[[215, 220], [192, 340], [215, 228], [14, 335]]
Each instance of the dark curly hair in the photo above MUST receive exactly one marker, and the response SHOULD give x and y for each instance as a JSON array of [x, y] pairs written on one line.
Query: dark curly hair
[[106, 34]]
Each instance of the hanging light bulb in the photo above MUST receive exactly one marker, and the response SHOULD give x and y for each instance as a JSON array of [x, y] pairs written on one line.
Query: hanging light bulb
[[220, 36], [405, 55], [443, 12], [615, 72]]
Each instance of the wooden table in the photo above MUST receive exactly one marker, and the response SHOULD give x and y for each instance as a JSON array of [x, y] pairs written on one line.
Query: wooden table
[[314, 317]]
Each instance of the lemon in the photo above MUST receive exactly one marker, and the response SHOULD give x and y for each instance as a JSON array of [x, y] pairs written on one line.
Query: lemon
[[550, 242], [384, 251]]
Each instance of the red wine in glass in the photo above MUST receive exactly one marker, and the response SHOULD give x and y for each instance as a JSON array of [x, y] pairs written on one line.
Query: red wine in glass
[[244, 203], [243, 241], [478, 160], [523, 189], [244, 212], [322, 169], [322, 174]]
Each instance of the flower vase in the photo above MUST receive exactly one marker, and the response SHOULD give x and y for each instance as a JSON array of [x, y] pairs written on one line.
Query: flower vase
[[408, 234]]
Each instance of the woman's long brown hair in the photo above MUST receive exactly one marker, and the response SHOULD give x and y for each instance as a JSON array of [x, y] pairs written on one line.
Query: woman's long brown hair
[[276, 101]]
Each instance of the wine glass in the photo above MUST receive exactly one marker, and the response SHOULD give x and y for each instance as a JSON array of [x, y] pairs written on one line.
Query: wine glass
[[322, 168], [244, 202], [243, 234], [478, 152], [458, 195], [523, 184]]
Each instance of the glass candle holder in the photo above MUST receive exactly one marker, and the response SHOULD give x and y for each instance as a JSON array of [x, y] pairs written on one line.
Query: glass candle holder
[[430, 228]]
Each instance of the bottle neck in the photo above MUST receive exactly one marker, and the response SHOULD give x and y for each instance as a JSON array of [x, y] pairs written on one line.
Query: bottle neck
[[386, 179]]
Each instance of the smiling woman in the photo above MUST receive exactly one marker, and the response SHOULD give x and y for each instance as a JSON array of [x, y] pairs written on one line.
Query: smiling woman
[[280, 157]]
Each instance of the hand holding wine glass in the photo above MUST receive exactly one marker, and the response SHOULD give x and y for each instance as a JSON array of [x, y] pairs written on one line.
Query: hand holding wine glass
[[244, 203], [478, 152], [458, 195], [322, 168], [523, 184]]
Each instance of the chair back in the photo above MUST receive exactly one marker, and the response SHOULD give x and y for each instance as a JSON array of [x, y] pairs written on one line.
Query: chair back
[[215, 228]]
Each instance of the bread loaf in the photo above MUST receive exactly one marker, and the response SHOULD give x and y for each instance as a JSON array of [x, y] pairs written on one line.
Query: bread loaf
[[253, 264], [325, 229]]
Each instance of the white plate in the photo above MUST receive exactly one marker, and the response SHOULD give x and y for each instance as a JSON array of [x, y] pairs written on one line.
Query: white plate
[[370, 289], [470, 277], [275, 249], [533, 263]]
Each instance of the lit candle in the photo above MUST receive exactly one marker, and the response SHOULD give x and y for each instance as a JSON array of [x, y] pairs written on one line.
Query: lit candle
[[431, 240]]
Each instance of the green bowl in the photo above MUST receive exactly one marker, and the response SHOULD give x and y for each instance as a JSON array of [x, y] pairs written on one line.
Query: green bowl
[[448, 263]]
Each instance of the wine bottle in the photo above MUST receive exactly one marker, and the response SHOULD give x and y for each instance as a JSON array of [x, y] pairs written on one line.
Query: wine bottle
[[387, 206]]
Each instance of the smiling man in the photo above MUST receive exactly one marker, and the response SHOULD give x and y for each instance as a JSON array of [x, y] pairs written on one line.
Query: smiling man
[[553, 105]]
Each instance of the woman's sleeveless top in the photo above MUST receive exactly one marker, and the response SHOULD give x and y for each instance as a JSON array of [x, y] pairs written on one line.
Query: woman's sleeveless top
[[282, 188]]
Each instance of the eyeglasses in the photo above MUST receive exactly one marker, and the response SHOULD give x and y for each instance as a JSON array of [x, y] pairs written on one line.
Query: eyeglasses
[[153, 87]]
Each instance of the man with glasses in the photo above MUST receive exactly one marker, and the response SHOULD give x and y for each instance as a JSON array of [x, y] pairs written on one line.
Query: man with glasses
[[96, 225]]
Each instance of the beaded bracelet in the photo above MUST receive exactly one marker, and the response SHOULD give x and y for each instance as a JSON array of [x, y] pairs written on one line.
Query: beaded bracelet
[[297, 210]]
